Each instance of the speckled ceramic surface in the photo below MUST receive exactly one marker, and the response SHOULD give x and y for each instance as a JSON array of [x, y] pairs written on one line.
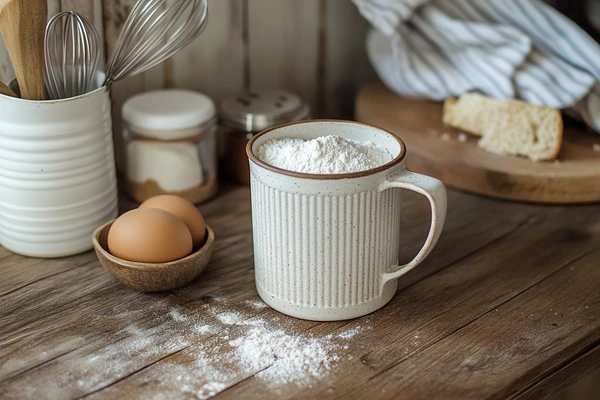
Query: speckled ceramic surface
[[326, 246], [153, 277]]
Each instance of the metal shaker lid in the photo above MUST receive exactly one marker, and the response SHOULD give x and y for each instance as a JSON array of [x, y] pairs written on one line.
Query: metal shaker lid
[[256, 110]]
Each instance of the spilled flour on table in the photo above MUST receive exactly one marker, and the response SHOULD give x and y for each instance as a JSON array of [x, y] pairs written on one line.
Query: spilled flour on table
[[176, 316], [257, 304], [253, 346], [350, 333], [292, 359], [204, 329], [176, 352], [229, 318], [194, 351]]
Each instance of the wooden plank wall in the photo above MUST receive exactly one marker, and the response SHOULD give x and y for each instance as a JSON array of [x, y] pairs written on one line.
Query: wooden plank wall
[[312, 47]]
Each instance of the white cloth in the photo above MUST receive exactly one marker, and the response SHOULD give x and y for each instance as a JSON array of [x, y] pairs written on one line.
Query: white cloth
[[521, 49]]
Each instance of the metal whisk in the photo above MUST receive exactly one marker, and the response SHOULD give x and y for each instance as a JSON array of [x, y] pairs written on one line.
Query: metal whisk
[[154, 31], [72, 53]]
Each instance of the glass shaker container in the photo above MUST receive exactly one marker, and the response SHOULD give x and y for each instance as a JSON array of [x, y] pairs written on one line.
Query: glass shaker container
[[247, 113], [170, 145]]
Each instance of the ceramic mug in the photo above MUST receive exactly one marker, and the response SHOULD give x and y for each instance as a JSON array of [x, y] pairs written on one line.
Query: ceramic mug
[[326, 247]]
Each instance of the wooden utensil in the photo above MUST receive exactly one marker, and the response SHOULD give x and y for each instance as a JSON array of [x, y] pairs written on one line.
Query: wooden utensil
[[22, 24], [455, 159], [5, 90]]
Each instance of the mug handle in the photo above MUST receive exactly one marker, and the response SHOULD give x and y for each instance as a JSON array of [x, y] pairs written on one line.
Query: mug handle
[[434, 190]]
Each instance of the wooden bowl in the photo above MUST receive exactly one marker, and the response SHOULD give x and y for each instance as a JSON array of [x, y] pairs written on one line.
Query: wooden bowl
[[153, 277]]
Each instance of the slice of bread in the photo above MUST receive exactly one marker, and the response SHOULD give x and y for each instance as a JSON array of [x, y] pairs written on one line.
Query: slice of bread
[[507, 126]]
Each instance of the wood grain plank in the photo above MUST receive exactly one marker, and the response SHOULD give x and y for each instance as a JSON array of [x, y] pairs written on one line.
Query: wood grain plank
[[214, 63], [478, 360], [284, 46], [346, 64], [85, 8], [580, 375], [53, 8], [234, 242], [21, 271], [124, 388], [81, 333], [107, 298], [436, 307]]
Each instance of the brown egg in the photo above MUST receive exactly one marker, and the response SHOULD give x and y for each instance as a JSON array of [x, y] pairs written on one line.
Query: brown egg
[[149, 235], [185, 210]]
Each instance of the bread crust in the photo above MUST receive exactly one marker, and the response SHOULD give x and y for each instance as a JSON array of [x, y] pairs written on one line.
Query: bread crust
[[474, 112]]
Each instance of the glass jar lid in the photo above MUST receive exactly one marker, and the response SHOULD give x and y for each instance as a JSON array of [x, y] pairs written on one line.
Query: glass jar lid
[[256, 110], [168, 114]]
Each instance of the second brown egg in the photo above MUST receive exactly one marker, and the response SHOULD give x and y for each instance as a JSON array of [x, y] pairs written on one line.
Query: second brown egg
[[185, 210]]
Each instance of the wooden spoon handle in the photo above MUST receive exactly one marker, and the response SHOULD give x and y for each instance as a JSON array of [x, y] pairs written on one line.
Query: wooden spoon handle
[[23, 23], [5, 90]]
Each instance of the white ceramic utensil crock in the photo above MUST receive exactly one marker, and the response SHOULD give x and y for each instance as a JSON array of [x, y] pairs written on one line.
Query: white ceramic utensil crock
[[326, 247], [57, 173]]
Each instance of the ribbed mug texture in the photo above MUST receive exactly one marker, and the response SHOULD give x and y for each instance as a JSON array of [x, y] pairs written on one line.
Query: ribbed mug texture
[[324, 251]]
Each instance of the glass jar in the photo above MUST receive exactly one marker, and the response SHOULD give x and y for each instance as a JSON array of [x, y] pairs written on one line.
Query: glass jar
[[171, 147], [247, 113]]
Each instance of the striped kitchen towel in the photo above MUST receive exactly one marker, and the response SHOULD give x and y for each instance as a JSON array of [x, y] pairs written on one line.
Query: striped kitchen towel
[[521, 49]]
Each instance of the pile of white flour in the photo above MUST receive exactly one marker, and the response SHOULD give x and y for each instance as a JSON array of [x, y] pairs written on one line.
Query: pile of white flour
[[323, 155]]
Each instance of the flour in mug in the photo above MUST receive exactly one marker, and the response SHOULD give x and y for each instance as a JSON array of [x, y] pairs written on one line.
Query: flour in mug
[[324, 155]]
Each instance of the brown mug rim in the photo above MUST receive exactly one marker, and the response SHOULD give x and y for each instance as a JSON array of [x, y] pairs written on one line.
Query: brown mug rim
[[396, 160]]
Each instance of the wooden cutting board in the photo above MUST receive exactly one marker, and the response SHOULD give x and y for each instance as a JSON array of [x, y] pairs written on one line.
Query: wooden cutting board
[[435, 149]]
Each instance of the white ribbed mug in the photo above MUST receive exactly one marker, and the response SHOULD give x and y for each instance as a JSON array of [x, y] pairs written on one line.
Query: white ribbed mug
[[326, 247], [57, 173]]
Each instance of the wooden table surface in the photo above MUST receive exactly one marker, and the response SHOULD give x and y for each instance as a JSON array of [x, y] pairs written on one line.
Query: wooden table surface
[[506, 306]]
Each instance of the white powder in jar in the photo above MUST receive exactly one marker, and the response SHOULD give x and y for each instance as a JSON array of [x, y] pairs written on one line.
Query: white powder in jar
[[324, 155]]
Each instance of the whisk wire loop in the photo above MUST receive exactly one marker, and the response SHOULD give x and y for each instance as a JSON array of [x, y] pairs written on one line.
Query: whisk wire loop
[[72, 54], [154, 31]]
